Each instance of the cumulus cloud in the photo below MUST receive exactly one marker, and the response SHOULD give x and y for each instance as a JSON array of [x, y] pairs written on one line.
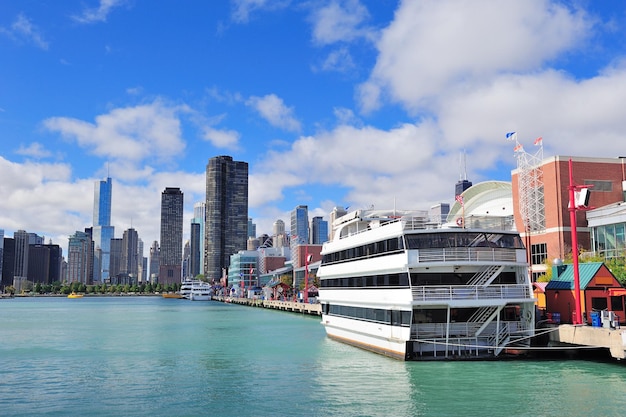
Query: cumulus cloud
[[222, 138], [97, 14], [435, 46], [23, 30], [340, 21], [131, 133], [273, 109], [242, 9], [34, 150]]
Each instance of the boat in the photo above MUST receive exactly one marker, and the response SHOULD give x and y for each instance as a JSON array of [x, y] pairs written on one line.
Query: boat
[[172, 295], [74, 295], [201, 291], [393, 283], [186, 285]]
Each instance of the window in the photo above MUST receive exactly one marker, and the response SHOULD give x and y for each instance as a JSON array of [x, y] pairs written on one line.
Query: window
[[538, 253], [598, 303], [617, 303], [598, 185]]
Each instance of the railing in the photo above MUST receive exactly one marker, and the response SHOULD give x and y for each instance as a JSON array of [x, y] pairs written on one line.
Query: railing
[[438, 330], [467, 292], [466, 254]]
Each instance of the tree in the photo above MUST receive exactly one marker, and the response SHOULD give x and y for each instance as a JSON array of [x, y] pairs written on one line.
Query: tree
[[38, 289]]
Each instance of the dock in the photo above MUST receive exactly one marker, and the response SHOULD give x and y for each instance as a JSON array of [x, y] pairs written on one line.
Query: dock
[[567, 335], [290, 306]]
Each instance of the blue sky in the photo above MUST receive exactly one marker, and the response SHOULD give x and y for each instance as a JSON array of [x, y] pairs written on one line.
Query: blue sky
[[332, 102]]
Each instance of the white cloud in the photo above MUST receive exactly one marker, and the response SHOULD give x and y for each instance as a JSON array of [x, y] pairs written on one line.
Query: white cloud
[[340, 21], [222, 138], [23, 30], [130, 133], [98, 14], [433, 47], [242, 9], [34, 150], [273, 109], [338, 60]]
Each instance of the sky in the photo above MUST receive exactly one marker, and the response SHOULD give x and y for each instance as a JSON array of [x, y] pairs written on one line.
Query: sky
[[351, 103]]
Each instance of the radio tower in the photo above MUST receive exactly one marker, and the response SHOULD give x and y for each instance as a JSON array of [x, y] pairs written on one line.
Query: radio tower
[[530, 183]]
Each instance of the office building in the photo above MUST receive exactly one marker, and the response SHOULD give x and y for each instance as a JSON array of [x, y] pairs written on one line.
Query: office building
[[102, 230], [226, 227], [319, 230], [130, 256], [79, 258], [300, 225], [154, 261], [171, 256]]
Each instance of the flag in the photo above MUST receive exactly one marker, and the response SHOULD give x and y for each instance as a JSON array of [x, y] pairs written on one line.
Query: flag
[[511, 136], [538, 141], [459, 198], [518, 148]]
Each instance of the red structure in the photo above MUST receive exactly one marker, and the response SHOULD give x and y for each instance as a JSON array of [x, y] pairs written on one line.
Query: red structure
[[599, 290]]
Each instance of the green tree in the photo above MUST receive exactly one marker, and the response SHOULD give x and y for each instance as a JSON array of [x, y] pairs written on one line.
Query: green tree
[[149, 288], [38, 288]]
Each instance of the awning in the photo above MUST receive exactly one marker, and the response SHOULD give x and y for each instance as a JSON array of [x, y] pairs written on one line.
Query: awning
[[616, 292]]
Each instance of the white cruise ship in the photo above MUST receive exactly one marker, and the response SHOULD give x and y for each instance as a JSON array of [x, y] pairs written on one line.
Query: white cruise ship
[[392, 285]]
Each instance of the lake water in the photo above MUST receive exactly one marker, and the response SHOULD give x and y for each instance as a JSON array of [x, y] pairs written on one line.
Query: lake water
[[149, 356]]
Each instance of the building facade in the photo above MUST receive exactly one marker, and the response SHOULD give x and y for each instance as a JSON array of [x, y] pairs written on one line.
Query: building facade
[[226, 226], [103, 232], [319, 230], [79, 258], [554, 241], [171, 256]]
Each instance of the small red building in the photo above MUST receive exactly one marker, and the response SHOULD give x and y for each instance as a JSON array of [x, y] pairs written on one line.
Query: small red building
[[599, 290]]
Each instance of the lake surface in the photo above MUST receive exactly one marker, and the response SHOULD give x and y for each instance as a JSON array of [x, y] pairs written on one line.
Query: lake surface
[[149, 356]]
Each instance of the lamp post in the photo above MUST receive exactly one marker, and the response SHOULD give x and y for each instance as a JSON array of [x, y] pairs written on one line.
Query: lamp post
[[573, 207]]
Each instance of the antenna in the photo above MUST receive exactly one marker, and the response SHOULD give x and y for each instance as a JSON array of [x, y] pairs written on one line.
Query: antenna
[[463, 166]]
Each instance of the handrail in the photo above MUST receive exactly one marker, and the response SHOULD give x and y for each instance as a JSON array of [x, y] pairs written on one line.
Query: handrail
[[469, 254], [470, 292]]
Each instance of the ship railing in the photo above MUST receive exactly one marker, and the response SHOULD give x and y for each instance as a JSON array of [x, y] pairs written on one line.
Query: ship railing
[[466, 254], [470, 292], [421, 331]]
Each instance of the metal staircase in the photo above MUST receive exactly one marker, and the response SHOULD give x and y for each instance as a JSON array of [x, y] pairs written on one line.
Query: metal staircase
[[486, 275], [481, 319], [500, 339]]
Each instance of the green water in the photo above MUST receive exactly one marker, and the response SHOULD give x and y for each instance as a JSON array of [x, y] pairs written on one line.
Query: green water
[[148, 356]]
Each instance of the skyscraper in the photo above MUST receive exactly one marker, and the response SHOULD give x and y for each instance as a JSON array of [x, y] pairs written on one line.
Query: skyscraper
[[300, 225], [226, 227], [171, 256], [79, 261], [154, 261], [319, 230], [199, 214], [130, 255], [103, 232]]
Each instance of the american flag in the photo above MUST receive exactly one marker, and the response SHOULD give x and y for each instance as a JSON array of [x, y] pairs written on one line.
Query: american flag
[[459, 198]]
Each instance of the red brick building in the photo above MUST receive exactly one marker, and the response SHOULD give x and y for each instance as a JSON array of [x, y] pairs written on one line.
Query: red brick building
[[606, 175]]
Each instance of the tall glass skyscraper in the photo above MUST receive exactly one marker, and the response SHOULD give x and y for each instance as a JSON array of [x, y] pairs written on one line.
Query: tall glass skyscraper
[[319, 230], [103, 232], [171, 255], [226, 226], [300, 225]]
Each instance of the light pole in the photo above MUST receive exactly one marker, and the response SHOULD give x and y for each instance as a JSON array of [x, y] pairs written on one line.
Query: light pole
[[573, 207]]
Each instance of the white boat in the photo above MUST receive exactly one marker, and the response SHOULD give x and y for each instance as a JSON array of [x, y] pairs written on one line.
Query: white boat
[[186, 285], [392, 284], [200, 291]]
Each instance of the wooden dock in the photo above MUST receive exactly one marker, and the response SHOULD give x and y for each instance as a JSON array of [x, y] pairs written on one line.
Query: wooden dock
[[290, 306], [590, 337]]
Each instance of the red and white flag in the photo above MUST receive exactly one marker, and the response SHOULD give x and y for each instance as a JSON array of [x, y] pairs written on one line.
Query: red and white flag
[[538, 141], [459, 198]]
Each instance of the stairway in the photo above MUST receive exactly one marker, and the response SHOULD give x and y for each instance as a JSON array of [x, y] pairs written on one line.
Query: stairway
[[486, 275]]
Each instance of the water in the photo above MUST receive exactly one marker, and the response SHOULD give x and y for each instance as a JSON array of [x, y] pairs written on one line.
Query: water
[[148, 356]]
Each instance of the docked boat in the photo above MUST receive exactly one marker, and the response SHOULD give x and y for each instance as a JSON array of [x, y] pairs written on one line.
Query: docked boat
[[394, 284], [172, 295], [74, 295], [200, 291], [186, 285]]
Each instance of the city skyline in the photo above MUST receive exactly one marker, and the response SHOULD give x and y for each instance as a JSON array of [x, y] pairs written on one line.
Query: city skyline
[[348, 103]]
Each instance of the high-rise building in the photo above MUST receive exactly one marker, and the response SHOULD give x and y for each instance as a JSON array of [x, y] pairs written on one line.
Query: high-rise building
[[319, 230], [115, 265], [226, 227], [199, 215], [251, 228], [44, 263], [300, 225], [1, 252], [195, 250], [8, 262], [130, 255], [103, 232], [154, 261], [79, 262], [171, 256]]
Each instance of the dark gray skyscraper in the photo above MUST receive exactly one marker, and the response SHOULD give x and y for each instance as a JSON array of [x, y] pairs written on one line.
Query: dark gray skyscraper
[[171, 255], [226, 227]]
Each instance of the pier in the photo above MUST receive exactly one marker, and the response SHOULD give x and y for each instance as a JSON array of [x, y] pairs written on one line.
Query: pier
[[290, 306], [590, 337]]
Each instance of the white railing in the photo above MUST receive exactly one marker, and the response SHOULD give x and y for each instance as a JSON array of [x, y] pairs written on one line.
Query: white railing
[[438, 330], [470, 292], [467, 254]]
